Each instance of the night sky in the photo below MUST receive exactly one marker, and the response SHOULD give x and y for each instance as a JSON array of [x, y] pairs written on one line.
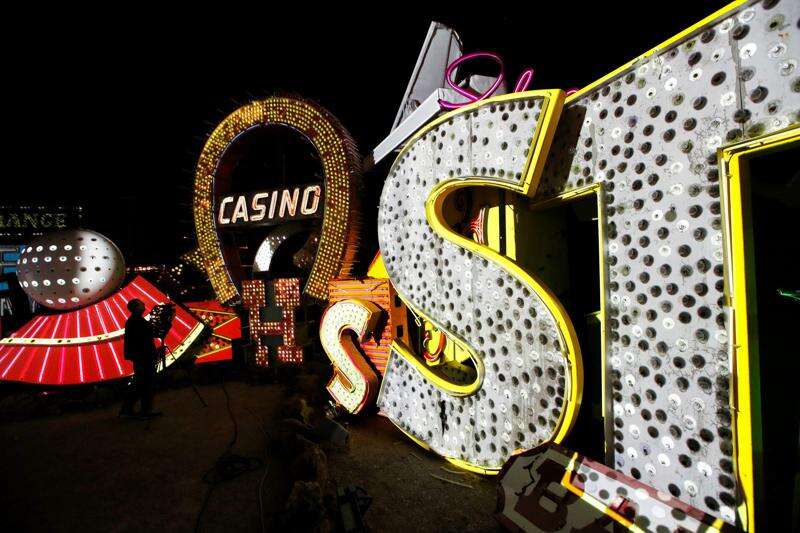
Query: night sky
[[112, 109]]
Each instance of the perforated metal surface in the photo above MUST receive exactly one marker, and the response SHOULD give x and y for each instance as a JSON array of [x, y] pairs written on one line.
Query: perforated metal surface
[[651, 136], [69, 269], [517, 347]]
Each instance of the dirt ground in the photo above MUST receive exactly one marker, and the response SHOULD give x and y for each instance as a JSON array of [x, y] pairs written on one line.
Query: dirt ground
[[398, 474], [90, 471]]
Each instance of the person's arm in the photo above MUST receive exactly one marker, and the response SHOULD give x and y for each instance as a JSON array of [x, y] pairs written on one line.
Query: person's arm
[[150, 331], [150, 334]]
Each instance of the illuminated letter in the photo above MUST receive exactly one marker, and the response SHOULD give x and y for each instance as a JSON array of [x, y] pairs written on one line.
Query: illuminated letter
[[258, 207], [240, 210], [551, 488], [354, 382], [272, 205], [287, 296], [13, 220], [289, 202], [369, 354], [29, 221], [221, 217], [524, 386], [311, 193]]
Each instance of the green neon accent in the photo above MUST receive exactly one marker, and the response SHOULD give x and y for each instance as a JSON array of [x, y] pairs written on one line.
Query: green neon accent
[[791, 294]]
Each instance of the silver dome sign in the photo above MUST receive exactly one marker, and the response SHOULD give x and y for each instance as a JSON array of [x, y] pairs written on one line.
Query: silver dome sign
[[70, 269]]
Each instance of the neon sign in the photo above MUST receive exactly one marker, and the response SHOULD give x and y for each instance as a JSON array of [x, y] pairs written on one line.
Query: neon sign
[[21, 223], [359, 306], [270, 207], [653, 147], [525, 384], [86, 345], [336, 199], [285, 294], [32, 221]]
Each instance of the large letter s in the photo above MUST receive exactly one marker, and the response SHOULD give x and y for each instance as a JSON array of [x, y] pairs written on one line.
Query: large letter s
[[354, 382], [524, 386]]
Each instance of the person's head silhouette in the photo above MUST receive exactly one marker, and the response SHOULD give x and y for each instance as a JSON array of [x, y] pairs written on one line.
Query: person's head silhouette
[[136, 307]]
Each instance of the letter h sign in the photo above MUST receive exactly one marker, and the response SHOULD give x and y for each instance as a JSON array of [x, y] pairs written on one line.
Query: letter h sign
[[287, 298]]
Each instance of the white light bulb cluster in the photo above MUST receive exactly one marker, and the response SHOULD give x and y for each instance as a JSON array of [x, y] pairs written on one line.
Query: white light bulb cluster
[[70, 268]]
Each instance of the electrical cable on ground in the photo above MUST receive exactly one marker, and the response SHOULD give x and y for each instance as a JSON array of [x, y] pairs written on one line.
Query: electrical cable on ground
[[263, 427], [261, 497], [228, 465]]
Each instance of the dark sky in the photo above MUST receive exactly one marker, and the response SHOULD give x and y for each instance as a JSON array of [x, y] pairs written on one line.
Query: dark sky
[[111, 109]]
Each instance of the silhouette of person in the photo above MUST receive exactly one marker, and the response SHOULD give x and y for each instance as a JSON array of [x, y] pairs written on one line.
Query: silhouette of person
[[140, 349]]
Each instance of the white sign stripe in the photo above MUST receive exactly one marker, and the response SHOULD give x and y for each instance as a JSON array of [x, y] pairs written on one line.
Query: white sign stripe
[[116, 357], [111, 313], [102, 322], [55, 329], [89, 323], [14, 361], [121, 311], [41, 325], [97, 360], [28, 328], [155, 302], [179, 319], [61, 367], [44, 363], [80, 363]]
